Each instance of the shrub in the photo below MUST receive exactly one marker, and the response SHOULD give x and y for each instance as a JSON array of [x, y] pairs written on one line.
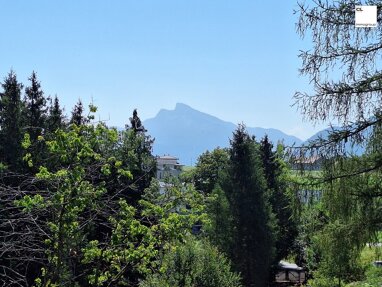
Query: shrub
[[195, 263]]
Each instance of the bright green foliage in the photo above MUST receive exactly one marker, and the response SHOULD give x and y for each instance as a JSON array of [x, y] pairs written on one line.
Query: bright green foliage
[[73, 198], [221, 229], [95, 236], [30, 202], [135, 244], [195, 263], [373, 278], [173, 207], [340, 258], [324, 281], [352, 207], [206, 176], [131, 249], [87, 218], [209, 167], [311, 220], [352, 221], [135, 153]]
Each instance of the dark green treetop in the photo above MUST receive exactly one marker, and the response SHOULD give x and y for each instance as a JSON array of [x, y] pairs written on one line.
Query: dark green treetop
[[78, 117], [279, 200], [10, 121], [254, 224], [56, 118], [35, 108]]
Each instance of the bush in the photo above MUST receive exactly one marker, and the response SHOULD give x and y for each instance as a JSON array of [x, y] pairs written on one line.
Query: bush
[[195, 263], [373, 278], [320, 280]]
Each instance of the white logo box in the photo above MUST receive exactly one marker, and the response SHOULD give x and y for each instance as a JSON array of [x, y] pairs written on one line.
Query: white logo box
[[366, 16]]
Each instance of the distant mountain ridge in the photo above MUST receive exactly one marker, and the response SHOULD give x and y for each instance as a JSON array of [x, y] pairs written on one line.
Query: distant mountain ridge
[[357, 149], [187, 133]]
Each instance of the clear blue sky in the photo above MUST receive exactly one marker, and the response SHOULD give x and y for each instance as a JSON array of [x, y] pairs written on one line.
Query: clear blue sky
[[236, 60]]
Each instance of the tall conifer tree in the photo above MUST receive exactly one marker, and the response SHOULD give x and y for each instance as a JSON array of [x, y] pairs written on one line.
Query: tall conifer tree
[[278, 198], [10, 121], [35, 108], [55, 119], [78, 114], [245, 187]]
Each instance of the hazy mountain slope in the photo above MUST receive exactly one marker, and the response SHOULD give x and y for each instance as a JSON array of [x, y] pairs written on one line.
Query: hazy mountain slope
[[186, 133], [349, 148]]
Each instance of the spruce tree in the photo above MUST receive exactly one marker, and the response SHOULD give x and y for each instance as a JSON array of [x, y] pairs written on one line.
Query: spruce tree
[[78, 114], [245, 187], [10, 122], [277, 190], [34, 115], [55, 119]]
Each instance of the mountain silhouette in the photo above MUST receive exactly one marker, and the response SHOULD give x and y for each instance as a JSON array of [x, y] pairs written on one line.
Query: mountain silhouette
[[186, 133], [350, 148]]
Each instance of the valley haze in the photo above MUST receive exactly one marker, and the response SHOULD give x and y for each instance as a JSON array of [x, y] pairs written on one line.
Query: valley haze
[[186, 133]]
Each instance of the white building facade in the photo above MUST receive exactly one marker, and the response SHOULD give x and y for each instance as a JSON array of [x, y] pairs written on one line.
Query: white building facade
[[167, 166]]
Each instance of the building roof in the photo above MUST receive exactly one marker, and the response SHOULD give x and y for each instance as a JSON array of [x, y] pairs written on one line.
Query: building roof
[[289, 266], [167, 157], [307, 160]]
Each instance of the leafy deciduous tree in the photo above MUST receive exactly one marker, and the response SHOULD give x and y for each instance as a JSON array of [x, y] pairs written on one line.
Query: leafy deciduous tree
[[208, 169], [136, 152], [193, 263]]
